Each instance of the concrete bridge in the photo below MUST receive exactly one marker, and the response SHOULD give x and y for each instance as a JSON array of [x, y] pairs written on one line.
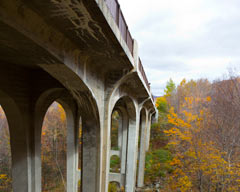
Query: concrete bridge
[[81, 54]]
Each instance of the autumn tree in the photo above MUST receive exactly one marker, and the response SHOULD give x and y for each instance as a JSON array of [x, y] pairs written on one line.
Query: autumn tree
[[5, 154], [204, 136], [54, 149]]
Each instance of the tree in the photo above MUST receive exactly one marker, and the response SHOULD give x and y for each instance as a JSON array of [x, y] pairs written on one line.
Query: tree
[[170, 87], [204, 136], [5, 154], [54, 149]]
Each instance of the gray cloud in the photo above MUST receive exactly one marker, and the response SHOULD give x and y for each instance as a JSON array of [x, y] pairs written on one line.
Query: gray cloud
[[184, 39]]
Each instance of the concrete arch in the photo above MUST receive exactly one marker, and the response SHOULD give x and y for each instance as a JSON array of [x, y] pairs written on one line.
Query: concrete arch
[[91, 138], [18, 141], [41, 106], [147, 104], [143, 110], [114, 154], [129, 110], [124, 137], [127, 102], [115, 94], [88, 109]]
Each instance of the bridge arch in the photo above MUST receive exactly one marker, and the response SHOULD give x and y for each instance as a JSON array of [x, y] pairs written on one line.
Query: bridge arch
[[75, 110], [127, 107]]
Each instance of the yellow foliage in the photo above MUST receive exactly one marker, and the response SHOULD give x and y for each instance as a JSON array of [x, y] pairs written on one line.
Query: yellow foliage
[[62, 113], [3, 176], [184, 183], [175, 161], [183, 82], [194, 154], [160, 100], [208, 99]]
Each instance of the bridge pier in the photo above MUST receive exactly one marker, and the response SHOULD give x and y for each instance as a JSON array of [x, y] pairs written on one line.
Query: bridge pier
[[132, 155], [142, 148]]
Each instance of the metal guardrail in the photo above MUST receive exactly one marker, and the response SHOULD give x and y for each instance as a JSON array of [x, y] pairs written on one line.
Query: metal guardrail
[[117, 14], [141, 69]]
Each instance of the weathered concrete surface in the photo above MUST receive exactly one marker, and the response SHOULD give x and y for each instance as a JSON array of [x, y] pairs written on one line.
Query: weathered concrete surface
[[70, 51], [142, 147]]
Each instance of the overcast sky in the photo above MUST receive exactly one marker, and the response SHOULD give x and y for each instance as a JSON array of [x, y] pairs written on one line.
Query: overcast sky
[[189, 39]]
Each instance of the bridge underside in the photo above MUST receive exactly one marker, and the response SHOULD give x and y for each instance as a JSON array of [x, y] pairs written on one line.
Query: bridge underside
[[71, 52]]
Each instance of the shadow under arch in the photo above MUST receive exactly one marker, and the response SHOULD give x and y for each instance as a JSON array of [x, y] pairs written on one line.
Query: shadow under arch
[[18, 141], [91, 137]]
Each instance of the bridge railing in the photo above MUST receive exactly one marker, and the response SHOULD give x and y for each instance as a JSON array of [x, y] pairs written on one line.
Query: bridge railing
[[141, 69], [117, 14]]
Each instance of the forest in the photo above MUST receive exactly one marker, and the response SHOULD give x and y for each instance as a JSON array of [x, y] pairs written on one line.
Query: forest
[[195, 144]]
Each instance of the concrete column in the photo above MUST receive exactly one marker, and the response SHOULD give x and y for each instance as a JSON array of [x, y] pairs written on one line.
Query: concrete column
[[106, 149], [124, 144], [148, 132], [142, 151], [21, 159], [132, 154], [36, 154], [71, 152], [89, 156], [19, 121]]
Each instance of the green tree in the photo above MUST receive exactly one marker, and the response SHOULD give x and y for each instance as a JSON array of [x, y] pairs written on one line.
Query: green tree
[[170, 87]]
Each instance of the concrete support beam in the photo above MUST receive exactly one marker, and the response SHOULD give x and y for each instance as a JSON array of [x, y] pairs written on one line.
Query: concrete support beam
[[71, 153], [116, 177], [142, 151], [148, 132], [21, 158], [89, 156], [132, 154], [114, 152]]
